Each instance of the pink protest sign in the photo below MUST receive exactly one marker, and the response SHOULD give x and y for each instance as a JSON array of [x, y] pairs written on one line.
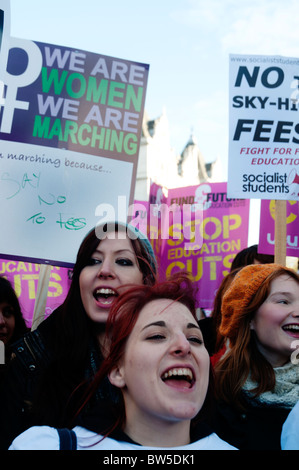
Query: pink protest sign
[[24, 279], [267, 228], [211, 230], [139, 214]]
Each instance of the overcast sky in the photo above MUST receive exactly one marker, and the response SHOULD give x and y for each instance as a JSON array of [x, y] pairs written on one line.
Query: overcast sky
[[186, 43]]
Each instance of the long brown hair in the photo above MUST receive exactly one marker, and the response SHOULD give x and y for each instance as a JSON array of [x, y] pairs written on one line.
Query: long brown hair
[[243, 357], [73, 334]]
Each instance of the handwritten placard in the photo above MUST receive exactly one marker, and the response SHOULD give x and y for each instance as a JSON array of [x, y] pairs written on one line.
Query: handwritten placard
[[46, 208], [69, 141]]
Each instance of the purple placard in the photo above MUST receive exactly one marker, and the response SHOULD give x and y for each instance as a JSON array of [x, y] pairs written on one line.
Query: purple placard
[[220, 230], [267, 228]]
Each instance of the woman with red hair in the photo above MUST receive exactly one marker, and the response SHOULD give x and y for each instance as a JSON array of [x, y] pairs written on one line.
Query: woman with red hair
[[157, 360], [257, 383]]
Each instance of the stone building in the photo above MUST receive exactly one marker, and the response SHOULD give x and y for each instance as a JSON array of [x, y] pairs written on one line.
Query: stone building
[[159, 162]]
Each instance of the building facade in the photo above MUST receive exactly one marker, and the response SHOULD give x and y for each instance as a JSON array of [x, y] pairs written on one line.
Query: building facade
[[160, 163]]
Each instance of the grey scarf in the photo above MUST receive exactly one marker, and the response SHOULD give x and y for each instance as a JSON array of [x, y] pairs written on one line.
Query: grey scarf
[[286, 391]]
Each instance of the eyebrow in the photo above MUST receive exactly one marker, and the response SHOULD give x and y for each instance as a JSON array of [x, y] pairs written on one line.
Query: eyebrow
[[124, 250], [288, 294], [163, 324]]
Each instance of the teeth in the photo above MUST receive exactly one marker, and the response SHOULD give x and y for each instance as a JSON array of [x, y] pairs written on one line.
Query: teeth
[[291, 327], [105, 292], [178, 371]]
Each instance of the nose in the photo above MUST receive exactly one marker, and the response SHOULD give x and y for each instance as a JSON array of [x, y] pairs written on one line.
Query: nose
[[295, 312], [180, 345], [106, 270]]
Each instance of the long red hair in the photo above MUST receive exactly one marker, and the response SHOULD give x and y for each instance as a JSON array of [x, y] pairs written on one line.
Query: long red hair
[[122, 319], [243, 357]]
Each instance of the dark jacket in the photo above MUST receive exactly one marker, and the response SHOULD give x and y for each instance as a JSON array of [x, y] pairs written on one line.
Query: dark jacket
[[255, 428], [31, 356]]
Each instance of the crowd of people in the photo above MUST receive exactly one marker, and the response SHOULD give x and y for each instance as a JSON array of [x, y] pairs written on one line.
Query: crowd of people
[[126, 364]]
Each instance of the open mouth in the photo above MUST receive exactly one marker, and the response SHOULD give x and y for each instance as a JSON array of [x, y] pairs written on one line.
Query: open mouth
[[179, 377], [105, 296], [292, 329]]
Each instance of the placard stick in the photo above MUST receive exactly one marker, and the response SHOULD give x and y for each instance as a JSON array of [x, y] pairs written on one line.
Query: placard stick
[[41, 296], [280, 232]]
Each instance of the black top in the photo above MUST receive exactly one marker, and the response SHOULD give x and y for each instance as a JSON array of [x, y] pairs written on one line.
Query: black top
[[102, 417], [257, 427]]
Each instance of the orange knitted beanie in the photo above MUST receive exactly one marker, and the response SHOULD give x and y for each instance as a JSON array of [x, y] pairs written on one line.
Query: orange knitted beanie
[[242, 289]]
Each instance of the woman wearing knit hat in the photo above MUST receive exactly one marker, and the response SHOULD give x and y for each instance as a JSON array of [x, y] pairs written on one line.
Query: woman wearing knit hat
[[256, 382], [66, 348]]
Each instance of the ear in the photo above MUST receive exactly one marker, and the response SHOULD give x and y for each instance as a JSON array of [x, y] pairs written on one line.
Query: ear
[[116, 377]]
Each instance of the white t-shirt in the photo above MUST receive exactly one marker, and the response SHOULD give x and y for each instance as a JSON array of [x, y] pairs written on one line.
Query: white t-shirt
[[290, 430], [46, 438]]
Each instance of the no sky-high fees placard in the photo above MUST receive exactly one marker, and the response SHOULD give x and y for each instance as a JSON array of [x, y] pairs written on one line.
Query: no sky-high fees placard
[[264, 127]]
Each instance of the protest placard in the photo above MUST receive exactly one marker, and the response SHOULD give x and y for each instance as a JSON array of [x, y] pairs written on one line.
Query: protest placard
[[267, 227], [139, 215], [201, 234], [69, 134], [264, 134], [24, 278], [263, 127]]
